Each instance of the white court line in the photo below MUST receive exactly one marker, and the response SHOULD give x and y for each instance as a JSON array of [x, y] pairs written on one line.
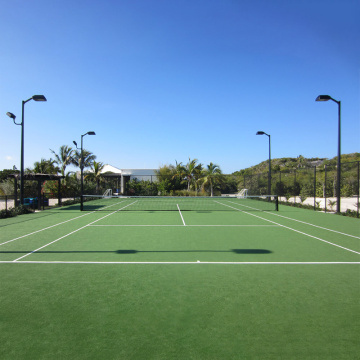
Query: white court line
[[289, 228], [62, 237], [317, 226], [189, 225], [303, 222], [181, 215], [49, 227], [190, 262]]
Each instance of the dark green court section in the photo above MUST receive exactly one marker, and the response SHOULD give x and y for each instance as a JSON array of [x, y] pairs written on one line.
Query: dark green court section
[[288, 235], [74, 311], [180, 244]]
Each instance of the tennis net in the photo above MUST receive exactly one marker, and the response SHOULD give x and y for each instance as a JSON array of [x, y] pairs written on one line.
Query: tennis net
[[179, 203]]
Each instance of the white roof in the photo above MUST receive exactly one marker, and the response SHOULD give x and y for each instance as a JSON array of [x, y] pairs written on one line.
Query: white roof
[[110, 168], [113, 169]]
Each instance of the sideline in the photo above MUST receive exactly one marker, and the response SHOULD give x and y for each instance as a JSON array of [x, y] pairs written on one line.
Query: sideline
[[298, 231], [49, 227], [72, 232], [303, 222]]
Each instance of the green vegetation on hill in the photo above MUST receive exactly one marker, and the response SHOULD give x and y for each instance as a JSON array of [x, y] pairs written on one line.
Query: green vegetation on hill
[[303, 177], [288, 163]]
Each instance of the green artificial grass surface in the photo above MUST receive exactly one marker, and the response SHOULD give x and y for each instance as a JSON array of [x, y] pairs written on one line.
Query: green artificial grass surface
[[194, 311], [269, 285]]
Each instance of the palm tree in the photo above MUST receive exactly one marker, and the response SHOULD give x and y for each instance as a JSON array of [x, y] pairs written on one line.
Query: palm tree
[[178, 171], [64, 158], [88, 157], [95, 174], [212, 175], [44, 167], [192, 169]]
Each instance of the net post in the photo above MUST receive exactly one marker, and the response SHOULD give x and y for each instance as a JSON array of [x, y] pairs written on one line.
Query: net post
[[276, 203]]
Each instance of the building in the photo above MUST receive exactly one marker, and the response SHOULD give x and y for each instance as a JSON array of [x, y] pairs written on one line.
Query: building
[[122, 176]]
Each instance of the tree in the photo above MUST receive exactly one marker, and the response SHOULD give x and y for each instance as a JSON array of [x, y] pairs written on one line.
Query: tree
[[64, 157], [165, 172], [212, 176], [88, 156], [44, 167], [192, 172], [4, 173], [300, 161], [179, 172], [95, 174]]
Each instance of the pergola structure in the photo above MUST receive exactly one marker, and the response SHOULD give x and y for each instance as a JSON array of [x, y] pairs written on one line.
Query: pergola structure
[[40, 178], [111, 176]]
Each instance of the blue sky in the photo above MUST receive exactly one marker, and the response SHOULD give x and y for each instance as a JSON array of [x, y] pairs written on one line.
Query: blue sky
[[165, 80]]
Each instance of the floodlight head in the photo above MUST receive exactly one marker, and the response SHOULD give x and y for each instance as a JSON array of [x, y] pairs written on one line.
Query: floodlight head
[[323, 98], [90, 133], [75, 143], [39, 98], [260, 133], [11, 115]]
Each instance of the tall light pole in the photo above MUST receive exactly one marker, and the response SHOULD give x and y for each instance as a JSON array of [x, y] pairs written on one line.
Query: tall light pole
[[338, 181], [82, 168], [269, 177], [35, 98], [12, 116]]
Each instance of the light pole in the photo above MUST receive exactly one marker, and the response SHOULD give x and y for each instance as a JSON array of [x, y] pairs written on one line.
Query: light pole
[[12, 116], [338, 181], [35, 98], [269, 177], [82, 168]]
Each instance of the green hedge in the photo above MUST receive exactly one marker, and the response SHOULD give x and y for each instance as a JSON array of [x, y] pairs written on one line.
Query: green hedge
[[11, 212]]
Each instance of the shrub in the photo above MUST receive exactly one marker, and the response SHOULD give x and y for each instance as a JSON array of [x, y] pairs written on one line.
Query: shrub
[[351, 213], [11, 212]]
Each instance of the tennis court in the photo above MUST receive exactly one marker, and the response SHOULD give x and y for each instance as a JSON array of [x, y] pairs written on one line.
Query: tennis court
[[220, 278]]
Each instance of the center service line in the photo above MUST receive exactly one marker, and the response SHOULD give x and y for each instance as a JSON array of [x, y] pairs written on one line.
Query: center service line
[[181, 215]]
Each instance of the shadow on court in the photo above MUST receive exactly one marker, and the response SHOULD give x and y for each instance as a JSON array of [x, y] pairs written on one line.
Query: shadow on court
[[130, 251]]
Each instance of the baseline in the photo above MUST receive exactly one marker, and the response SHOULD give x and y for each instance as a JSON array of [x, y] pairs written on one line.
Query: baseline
[[206, 225], [189, 262]]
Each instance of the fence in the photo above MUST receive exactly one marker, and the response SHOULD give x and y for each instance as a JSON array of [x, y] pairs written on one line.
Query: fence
[[47, 200], [314, 186]]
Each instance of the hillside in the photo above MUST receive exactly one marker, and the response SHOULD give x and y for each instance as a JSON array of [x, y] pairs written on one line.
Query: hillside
[[289, 163]]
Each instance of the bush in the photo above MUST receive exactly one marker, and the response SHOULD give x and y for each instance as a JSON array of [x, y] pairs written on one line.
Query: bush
[[70, 202], [141, 188], [189, 193], [351, 213], [164, 187], [12, 212], [280, 189]]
